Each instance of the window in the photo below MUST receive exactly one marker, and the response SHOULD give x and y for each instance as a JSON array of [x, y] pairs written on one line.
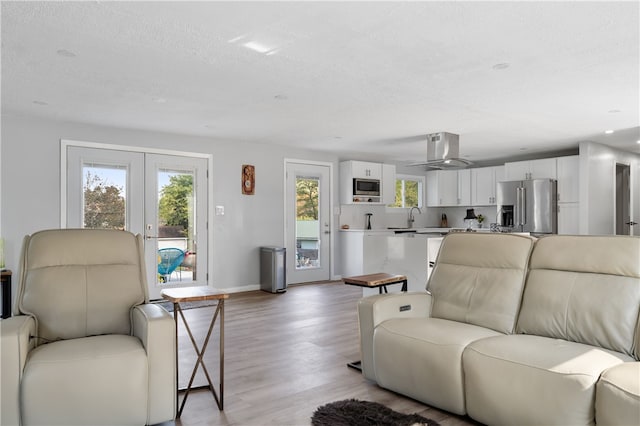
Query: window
[[409, 191]]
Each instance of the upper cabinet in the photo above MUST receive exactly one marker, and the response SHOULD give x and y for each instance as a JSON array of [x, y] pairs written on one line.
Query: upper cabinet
[[385, 174], [448, 188], [388, 186], [534, 169], [464, 187], [484, 181], [568, 179], [365, 170]]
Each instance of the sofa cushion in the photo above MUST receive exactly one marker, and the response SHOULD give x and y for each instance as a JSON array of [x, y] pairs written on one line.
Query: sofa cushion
[[478, 279], [532, 380], [80, 282], [618, 395], [570, 277], [422, 358], [81, 382]]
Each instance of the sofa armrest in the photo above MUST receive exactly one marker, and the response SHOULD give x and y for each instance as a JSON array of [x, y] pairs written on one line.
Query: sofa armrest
[[155, 327], [374, 310], [15, 344]]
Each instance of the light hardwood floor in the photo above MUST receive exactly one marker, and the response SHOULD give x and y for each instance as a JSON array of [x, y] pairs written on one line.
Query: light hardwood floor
[[285, 355]]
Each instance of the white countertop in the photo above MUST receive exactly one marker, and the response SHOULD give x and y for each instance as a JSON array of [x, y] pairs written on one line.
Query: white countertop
[[391, 231]]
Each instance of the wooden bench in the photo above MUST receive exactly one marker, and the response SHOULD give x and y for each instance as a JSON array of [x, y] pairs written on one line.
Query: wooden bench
[[379, 280]]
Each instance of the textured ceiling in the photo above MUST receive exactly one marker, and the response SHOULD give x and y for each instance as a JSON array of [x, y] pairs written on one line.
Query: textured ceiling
[[359, 78]]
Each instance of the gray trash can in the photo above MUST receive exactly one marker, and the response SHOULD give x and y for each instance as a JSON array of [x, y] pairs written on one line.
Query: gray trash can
[[273, 269]]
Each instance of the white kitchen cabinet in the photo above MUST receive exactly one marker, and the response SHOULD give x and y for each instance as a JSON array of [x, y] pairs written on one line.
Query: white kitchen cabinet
[[385, 173], [483, 185], [397, 254], [568, 219], [388, 184], [448, 188], [464, 187], [366, 170], [568, 179], [442, 188], [352, 250], [535, 169]]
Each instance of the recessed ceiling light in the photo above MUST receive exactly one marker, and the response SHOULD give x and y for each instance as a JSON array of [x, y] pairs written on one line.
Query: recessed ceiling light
[[614, 111], [501, 66], [259, 47], [240, 37], [638, 141], [66, 53], [40, 103], [608, 132]]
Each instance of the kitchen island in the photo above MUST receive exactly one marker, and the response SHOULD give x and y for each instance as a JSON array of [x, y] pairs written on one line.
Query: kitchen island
[[407, 254], [384, 250]]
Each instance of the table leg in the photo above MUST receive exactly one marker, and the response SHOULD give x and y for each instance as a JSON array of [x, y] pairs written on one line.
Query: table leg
[[6, 296], [175, 319], [221, 344], [200, 360]]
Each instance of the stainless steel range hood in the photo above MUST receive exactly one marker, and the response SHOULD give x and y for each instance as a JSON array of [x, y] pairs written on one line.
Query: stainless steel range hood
[[443, 152]]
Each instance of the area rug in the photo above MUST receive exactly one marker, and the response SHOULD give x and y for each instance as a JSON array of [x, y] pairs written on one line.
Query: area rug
[[352, 412]]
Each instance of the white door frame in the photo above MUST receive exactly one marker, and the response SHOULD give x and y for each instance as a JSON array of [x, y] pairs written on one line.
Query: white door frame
[[65, 143], [332, 233]]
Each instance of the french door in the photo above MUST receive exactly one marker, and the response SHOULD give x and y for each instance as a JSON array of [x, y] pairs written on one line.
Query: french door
[[308, 222], [161, 196]]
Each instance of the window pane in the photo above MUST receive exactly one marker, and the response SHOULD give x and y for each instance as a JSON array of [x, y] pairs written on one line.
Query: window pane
[[176, 226], [408, 193], [307, 224], [104, 196]]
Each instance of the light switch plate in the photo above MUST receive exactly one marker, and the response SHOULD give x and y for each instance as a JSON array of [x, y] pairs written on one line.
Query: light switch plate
[[219, 210]]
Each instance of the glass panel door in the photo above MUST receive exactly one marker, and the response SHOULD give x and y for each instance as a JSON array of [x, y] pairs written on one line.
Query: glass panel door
[[176, 221], [104, 189], [307, 225], [163, 197], [308, 230]]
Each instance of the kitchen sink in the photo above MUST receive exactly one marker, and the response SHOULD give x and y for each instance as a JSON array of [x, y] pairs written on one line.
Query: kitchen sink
[[402, 230]]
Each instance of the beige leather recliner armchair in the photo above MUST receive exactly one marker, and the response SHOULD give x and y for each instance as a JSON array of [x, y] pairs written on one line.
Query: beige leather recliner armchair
[[84, 347]]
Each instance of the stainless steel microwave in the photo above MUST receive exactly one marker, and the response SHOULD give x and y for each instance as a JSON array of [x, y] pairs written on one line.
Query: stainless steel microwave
[[369, 187]]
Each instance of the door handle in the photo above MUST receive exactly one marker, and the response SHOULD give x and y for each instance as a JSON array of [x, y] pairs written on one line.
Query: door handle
[[631, 223]]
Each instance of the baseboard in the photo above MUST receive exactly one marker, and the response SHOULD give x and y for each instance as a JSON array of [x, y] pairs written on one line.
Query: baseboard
[[239, 289]]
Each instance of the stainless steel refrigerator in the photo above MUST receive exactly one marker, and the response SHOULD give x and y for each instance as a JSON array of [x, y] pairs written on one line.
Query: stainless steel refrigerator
[[528, 206]]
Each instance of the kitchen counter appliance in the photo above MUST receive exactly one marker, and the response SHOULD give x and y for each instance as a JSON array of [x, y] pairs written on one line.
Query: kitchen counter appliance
[[528, 205]]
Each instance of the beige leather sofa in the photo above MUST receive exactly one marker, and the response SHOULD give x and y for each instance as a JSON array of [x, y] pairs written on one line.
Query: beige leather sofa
[[83, 346], [515, 330]]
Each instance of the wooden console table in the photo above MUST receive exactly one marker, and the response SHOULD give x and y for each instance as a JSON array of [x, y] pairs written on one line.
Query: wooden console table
[[379, 280], [5, 281], [194, 294]]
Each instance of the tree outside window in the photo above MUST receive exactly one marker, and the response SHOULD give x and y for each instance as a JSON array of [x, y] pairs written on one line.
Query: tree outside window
[[104, 202], [175, 206], [409, 191]]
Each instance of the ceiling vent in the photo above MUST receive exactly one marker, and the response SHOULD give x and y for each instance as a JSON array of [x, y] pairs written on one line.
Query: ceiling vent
[[443, 152]]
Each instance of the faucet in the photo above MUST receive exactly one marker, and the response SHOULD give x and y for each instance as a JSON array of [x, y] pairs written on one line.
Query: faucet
[[411, 219]]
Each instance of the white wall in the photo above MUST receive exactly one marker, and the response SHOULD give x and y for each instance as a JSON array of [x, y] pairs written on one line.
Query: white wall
[[30, 191], [598, 187]]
